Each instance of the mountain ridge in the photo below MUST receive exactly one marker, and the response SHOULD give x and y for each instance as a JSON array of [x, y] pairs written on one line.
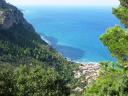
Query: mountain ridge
[[28, 61]]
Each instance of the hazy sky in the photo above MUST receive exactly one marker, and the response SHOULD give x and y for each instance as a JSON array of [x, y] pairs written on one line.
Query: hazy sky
[[66, 2]]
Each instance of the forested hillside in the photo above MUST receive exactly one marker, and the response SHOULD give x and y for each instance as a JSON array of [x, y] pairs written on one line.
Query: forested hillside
[[28, 65], [31, 67]]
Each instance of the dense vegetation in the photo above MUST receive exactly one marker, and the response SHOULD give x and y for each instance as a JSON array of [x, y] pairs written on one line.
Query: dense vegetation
[[111, 82], [30, 67], [33, 80], [113, 77]]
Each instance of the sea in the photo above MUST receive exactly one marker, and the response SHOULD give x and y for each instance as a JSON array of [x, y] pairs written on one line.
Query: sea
[[74, 31]]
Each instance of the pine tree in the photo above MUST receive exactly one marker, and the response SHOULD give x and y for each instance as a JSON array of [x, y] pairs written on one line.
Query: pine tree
[[116, 38]]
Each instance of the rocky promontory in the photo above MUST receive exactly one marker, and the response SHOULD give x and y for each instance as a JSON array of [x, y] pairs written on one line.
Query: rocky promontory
[[10, 15]]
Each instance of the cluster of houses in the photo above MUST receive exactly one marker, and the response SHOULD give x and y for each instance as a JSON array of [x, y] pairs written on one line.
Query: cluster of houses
[[88, 72]]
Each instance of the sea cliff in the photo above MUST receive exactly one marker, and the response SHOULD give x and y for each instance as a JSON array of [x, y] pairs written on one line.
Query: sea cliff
[[26, 56], [10, 15]]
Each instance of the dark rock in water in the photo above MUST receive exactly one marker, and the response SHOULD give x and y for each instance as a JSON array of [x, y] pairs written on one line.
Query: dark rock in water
[[70, 52], [66, 51]]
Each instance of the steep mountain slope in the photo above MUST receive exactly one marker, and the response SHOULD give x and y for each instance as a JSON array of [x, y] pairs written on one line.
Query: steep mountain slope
[[21, 46], [19, 39]]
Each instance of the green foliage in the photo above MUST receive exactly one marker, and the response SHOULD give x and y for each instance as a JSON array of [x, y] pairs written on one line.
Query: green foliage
[[32, 80], [21, 46], [6, 80], [20, 35], [110, 83], [39, 82], [18, 46], [121, 13], [113, 77], [124, 3], [116, 39]]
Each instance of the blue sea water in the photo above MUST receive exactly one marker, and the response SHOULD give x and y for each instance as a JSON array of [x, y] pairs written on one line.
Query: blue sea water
[[74, 32]]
